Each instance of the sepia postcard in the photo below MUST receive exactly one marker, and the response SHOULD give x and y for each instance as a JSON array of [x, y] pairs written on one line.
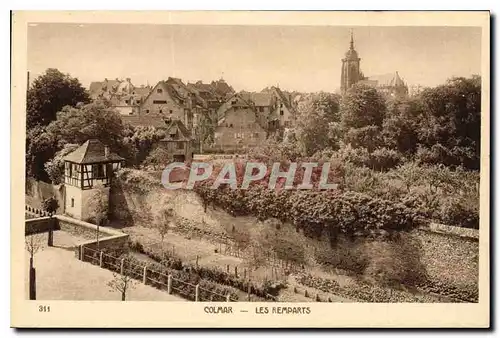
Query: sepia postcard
[[248, 169]]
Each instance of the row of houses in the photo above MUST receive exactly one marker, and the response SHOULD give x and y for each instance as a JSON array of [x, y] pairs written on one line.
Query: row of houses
[[238, 120]]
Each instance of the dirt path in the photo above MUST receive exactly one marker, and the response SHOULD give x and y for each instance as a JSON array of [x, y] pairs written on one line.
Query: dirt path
[[60, 276]]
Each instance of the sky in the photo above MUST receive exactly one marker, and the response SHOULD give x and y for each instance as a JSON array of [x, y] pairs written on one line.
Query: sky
[[301, 58]]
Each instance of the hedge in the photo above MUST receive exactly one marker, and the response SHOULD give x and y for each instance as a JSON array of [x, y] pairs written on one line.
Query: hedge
[[315, 212]]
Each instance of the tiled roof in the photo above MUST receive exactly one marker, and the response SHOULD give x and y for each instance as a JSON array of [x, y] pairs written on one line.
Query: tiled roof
[[284, 98], [156, 121], [142, 91], [185, 135], [92, 151], [384, 80]]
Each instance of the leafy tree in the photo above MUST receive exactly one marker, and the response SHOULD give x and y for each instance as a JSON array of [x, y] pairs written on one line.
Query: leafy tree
[[362, 106], [314, 116], [453, 121], [55, 166], [91, 121], [204, 131], [158, 157], [141, 140], [49, 93], [40, 147], [401, 125], [74, 125]]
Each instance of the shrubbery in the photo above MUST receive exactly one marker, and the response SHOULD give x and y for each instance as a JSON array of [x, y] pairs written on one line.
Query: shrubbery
[[315, 212]]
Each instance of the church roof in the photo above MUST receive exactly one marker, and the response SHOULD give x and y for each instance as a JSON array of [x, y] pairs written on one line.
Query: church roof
[[385, 80], [92, 151]]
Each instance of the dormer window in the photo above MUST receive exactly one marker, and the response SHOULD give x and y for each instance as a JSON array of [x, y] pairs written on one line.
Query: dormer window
[[159, 90]]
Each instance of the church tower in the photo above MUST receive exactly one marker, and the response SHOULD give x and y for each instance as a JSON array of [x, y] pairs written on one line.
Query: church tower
[[351, 72]]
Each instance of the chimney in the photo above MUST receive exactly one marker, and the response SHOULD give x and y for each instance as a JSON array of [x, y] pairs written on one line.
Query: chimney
[[106, 151], [128, 79]]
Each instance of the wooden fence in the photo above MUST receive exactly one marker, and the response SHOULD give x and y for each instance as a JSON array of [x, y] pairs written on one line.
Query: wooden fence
[[167, 282]]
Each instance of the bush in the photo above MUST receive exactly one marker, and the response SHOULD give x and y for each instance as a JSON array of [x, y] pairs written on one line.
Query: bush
[[315, 212]]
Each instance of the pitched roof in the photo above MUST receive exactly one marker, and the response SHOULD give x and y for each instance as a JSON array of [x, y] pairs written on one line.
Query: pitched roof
[[185, 135], [222, 87], [384, 80], [141, 91], [156, 121], [92, 151], [95, 87], [284, 98], [257, 99]]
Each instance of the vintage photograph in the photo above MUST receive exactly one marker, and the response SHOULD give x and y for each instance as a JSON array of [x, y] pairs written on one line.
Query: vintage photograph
[[253, 163]]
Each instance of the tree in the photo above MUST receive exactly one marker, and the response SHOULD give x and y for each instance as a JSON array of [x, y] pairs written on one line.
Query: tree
[[362, 106], [162, 223], [75, 125], [49, 93], [33, 244], [314, 116], [95, 120], [158, 157], [453, 121], [50, 205], [204, 131], [98, 205], [122, 283], [141, 140], [55, 166]]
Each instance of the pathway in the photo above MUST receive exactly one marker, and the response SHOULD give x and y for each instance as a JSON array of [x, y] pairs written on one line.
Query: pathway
[[60, 276]]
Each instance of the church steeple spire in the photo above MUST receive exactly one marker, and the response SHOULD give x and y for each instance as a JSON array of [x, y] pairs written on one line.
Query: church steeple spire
[[351, 72]]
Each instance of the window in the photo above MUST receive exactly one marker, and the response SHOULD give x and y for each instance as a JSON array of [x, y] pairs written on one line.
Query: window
[[234, 102], [98, 171], [72, 202], [127, 101], [159, 90], [159, 102], [138, 101], [180, 145], [261, 109], [147, 111], [75, 173], [161, 111], [171, 111], [281, 105], [231, 125], [287, 123], [281, 112]]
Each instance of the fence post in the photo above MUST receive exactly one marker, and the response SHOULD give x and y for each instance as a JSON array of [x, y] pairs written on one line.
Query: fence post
[[228, 297], [100, 259], [197, 293], [236, 271], [81, 252], [121, 266], [197, 261], [144, 274], [169, 284], [227, 268]]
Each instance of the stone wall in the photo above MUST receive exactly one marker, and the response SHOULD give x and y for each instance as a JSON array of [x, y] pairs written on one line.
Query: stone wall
[[448, 254], [40, 225], [37, 191]]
